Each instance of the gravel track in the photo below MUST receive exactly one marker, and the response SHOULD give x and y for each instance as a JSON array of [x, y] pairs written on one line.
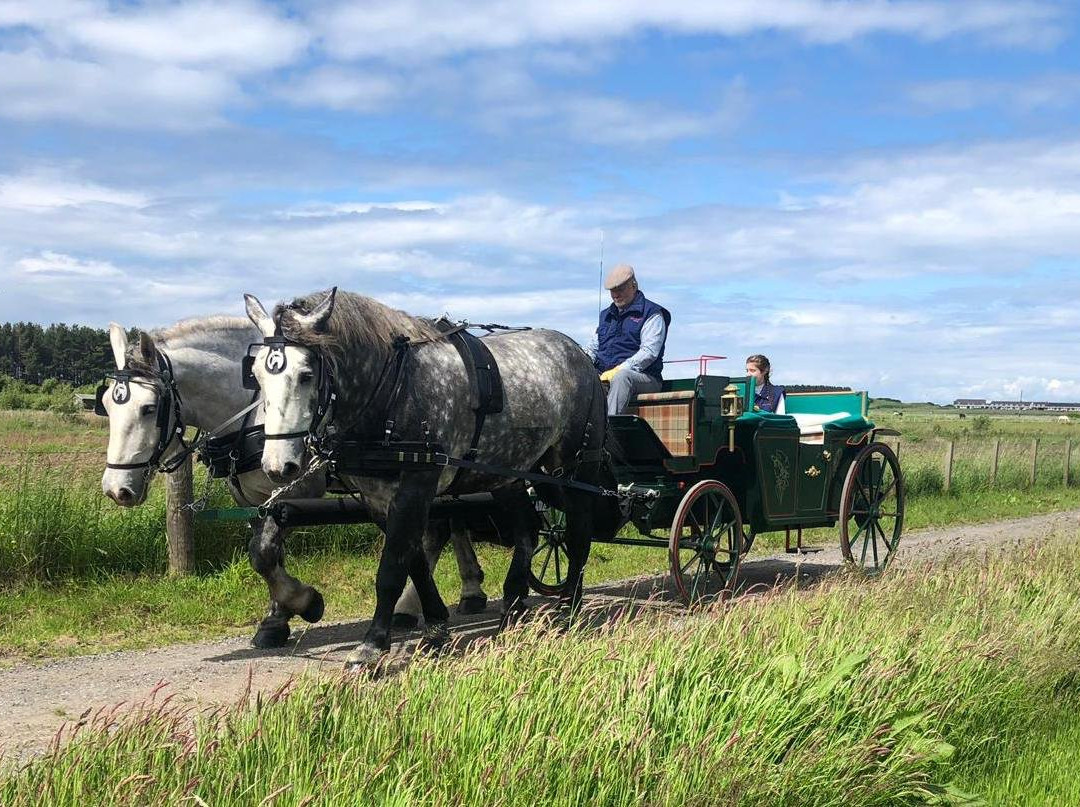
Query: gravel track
[[37, 699]]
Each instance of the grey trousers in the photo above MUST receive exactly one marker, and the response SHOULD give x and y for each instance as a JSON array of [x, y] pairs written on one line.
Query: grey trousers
[[625, 385]]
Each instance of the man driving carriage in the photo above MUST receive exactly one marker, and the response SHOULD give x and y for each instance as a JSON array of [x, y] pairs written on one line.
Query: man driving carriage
[[628, 346]]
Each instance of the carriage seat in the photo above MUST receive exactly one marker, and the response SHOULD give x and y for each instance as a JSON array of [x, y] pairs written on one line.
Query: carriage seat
[[670, 395], [670, 413]]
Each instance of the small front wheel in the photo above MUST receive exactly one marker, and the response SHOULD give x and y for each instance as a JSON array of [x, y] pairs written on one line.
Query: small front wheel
[[550, 561], [872, 508], [706, 542]]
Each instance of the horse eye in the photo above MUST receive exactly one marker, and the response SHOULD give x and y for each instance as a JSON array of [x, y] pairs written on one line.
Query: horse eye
[[149, 409], [306, 377]]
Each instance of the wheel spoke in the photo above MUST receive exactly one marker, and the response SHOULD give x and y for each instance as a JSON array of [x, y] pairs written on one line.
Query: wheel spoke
[[686, 566], [714, 529], [701, 530], [865, 545], [558, 573], [874, 532], [547, 560]]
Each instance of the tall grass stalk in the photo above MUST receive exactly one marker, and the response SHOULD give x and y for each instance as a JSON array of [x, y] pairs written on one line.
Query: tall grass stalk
[[854, 694]]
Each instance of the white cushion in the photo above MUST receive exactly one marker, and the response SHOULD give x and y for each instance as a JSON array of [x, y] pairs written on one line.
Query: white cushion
[[811, 424]]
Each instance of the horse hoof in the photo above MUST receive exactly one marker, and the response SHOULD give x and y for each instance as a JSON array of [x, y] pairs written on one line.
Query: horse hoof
[[404, 621], [363, 658], [475, 604], [436, 635], [268, 637], [315, 609]]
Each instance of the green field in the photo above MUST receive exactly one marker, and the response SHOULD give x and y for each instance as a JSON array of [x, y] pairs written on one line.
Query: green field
[[80, 575], [950, 684]]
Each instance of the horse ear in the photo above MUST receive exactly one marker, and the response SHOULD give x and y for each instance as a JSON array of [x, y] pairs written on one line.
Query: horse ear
[[320, 314], [257, 314], [147, 348], [118, 340]]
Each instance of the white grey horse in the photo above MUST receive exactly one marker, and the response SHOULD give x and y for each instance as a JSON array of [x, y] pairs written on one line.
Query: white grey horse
[[397, 378], [191, 373]]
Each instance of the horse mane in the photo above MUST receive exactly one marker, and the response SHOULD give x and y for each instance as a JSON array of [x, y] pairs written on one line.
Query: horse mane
[[202, 333], [355, 320]]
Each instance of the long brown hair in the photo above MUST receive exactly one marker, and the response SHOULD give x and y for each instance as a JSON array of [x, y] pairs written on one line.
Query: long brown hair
[[762, 363]]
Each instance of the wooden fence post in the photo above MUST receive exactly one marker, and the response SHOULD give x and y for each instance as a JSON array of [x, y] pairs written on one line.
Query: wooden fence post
[[948, 464], [1034, 461], [180, 519], [994, 462], [1068, 461]]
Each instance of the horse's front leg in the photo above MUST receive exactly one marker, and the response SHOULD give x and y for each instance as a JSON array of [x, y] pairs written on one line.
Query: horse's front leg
[[288, 596], [518, 512], [406, 519], [408, 609]]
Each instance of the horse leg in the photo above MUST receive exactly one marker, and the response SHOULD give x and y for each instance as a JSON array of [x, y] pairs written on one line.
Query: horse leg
[[436, 614], [473, 598], [579, 527], [408, 608], [288, 596], [406, 520], [520, 515]]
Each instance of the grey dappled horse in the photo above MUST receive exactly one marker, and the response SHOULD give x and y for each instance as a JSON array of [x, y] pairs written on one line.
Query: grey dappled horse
[[553, 409], [205, 360]]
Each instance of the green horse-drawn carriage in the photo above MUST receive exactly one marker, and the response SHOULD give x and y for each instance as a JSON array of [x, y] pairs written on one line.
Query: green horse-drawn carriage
[[702, 474]]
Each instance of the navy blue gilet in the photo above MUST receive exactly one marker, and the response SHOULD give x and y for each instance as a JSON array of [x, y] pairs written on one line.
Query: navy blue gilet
[[619, 334], [767, 397]]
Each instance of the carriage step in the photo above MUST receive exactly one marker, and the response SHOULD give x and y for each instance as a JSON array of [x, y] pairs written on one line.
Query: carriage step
[[798, 548]]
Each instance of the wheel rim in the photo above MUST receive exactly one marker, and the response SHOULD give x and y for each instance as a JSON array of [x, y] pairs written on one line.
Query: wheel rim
[[550, 560], [872, 508], [705, 543]]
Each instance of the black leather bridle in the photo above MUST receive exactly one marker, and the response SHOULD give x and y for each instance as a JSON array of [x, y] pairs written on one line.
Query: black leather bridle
[[170, 425], [275, 363]]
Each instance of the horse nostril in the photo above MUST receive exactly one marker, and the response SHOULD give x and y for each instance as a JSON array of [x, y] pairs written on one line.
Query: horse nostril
[[123, 496], [289, 470]]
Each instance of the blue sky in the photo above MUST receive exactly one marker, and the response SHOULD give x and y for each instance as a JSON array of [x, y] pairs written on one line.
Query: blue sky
[[881, 194]]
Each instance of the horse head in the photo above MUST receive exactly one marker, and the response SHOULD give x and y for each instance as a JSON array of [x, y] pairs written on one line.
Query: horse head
[[293, 376], [143, 417]]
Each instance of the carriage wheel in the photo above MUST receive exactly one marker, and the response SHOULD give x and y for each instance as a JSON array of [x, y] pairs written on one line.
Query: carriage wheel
[[550, 559], [705, 543], [872, 508]]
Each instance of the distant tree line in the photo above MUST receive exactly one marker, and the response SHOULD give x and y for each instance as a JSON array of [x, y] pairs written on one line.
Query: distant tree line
[[73, 354]]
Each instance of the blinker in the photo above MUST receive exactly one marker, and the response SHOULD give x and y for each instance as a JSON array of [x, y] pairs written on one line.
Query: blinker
[[247, 373]]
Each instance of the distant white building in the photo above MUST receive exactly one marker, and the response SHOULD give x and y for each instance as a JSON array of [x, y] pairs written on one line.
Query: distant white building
[[1016, 406]]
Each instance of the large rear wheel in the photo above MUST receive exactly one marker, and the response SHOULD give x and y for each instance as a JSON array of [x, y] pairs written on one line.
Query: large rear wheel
[[706, 542], [872, 508]]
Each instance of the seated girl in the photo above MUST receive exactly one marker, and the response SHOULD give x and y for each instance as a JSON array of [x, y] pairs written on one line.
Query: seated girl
[[767, 396]]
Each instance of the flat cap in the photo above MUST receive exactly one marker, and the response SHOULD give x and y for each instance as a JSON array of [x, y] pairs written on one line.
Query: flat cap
[[619, 275]]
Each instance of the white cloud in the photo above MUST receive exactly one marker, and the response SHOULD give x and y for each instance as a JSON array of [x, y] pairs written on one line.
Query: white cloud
[[46, 190], [418, 30], [114, 94], [1043, 92], [54, 265], [342, 89]]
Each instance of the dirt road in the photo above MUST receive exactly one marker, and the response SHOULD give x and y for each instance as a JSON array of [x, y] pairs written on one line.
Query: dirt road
[[36, 700]]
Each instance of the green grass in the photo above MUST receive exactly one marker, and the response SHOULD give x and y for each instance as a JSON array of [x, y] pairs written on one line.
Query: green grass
[[898, 691], [1032, 766]]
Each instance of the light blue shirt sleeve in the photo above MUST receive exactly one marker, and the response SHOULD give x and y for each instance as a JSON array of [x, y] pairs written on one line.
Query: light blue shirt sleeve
[[653, 334]]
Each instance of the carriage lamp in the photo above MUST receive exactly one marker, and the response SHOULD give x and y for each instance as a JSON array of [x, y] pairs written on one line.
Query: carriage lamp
[[731, 402], [731, 406]]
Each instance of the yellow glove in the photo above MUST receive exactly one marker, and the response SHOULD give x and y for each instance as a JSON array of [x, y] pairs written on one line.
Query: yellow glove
[[607, 375]]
